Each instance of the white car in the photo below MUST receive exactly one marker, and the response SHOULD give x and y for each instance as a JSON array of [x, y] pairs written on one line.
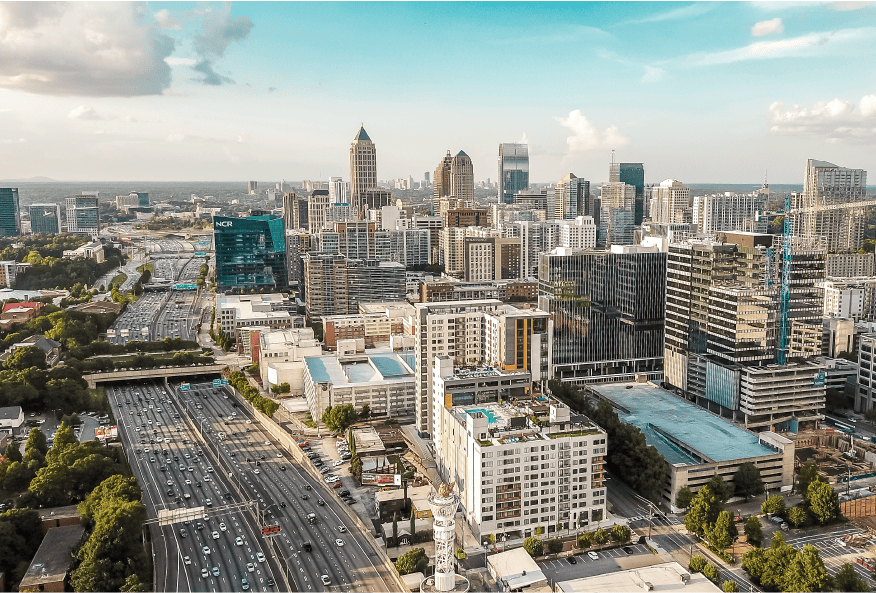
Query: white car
[[339, 543], [222, 527], [238, 542], [206, 549], [250, 567], [342, 529], [593, 555], [326, 580], [260, 557], [216, 534], [187, 560], [338, 462], [249, 421], [204, 573], [256, 471], [267, 442]]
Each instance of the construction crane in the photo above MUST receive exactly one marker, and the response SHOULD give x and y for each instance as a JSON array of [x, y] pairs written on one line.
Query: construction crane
[[787, 236]]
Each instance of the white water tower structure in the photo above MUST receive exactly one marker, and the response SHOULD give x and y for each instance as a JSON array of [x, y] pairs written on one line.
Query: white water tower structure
[[444, 504]]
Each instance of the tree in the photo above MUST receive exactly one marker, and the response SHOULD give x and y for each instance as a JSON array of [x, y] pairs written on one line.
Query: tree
[[600, 536], [710, 571], [18, 476], [704, 510], [339, 418], [723, 533], [753, 531], [539, 530], [366, 411], [13, 453], [133, 584], [534, 546], [754, 563], [774, 505], [806, 571], [620, 534], [807, 474], [748, 481], [697, 563], [36, 440], [729, 587], [25, 358], [823, 502], [413, 523], [848, 580], [412, 561], [684, 497], [113, 490], [722, 489], [284, 387], [554, 546], [585, 540], [798, 516]]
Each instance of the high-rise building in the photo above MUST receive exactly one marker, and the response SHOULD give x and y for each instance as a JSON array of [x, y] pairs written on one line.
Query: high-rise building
[[252, 187], [295, 211], [317, 206], [45, 218], [594, 294], [850, 265], [339, 191], [335, 285], [250, 253], [441, 188], [491, 258], [10, 216], [673, 205], [631, 174], [462, 177], [374, 198], [729, 212], [826, 184], [83, 214], [617, 219], [572, 198], [513, 171], [363, 167]]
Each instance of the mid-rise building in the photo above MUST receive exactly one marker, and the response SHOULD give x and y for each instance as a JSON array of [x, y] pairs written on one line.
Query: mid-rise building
[[851, 298], [837, 336], [250, 253], [376, 326], [91, 250], [271, 311], [491, 258], [339, 191], [281, 356], [865, 397], [83, 214], [45, 218], [295, 212], [673, 204], [335, 285], [850, 265], [363, 168], [135, 199], [8, 272], [317, 207], [826, 184], [726, 212], [513, 171]]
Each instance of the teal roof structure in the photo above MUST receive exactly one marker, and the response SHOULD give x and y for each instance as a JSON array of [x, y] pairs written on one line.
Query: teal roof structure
[[362, 136]]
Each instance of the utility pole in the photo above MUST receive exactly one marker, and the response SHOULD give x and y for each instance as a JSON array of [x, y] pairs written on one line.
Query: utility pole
[[650, 517]]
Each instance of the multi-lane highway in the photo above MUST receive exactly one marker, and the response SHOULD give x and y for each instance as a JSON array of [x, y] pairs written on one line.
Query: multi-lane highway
[[137, 320]]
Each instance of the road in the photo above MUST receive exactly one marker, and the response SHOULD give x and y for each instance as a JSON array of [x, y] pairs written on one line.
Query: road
[[280, 487]]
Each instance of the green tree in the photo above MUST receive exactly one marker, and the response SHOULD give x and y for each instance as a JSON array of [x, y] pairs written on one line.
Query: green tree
[[620, 534], [774, 505], [284, 387], [710, 571], [724, 531], [729, 586], [747, 481], [18, 476], [133, 584], [798, 516], [600, 536], [753, 531], [722, 489], [534, 546], [585, 540], [412, 561], [754, 563], [554, 546], [823, 502], [684, 497], [36, 440], [807, 474], [848, 580], [339, 418], [697, 563], [413, 523], [113, 490], [806, 571], [25, 358], [13, 453], [366, 412], [539, 530], [704, 510]]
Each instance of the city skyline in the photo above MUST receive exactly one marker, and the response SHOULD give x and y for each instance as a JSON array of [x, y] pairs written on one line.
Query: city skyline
[[701, 92]]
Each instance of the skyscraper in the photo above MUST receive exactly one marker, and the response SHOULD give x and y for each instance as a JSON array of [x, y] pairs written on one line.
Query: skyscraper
[[317, 205], [250, 253], [339, 191], [441, 186], [513, 171], [826, 184], [363, 167], [252, 187], [673, 204], [631, 174], [83, 214], [10, 219], [572, 198], [294, 211], [454, 177], [45, 218]]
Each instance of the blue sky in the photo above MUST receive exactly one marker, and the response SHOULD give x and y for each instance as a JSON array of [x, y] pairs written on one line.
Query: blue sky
[[702, 92]]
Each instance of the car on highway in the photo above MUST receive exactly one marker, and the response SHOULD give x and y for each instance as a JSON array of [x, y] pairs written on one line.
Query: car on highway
[[260, 557], [306, 547], [208, 502], [320, 502], [250, 567], [304, 497], [326, 580], [187, 560], [339, 543], [206, 549], [215, 571], [204, 573], [342, 529], [593, 555], [238, 542], [256, 471], [216, 534], [244, 584], [182, 533], [282, 468], [222, 527]]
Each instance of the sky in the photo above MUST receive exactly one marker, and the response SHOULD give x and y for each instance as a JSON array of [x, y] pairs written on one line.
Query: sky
[[701, 92]]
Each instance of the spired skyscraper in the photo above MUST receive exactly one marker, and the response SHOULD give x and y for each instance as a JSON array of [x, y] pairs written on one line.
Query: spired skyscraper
[[10, 221], [363, 167], [513, 171]]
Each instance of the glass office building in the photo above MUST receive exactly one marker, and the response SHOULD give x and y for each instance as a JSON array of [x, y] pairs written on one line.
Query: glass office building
[[45, 218], [632, 174], [250, 253], [83, 215], [10, 221], [513, 171]]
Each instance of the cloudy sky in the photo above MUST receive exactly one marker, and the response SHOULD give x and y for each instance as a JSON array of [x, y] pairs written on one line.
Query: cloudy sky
[[702, 92]]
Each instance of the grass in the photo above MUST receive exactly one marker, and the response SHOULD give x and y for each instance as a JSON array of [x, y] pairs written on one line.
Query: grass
[[577, 433], [486, 443], [118, 280], [150, 266]]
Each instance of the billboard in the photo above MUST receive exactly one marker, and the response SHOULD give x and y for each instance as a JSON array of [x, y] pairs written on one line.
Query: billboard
[[108, 432], [381, 479]]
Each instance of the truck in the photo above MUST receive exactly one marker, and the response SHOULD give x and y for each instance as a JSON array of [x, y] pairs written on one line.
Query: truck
[[311, 518]]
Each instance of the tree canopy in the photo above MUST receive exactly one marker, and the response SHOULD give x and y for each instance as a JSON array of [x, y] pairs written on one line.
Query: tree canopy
[[339, 418], [412, 561], [783, 568], [703, 512], [534, 546], [747, 481]]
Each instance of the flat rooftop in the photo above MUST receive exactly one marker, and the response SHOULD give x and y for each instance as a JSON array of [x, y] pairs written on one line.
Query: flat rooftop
[[677, 428], [359, 369], [662, 578], [52, 559]]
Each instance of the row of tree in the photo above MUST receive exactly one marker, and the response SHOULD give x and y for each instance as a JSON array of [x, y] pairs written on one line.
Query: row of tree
[[781, 567], [63, 273], [140, 361], [104, 348], [251, 394]]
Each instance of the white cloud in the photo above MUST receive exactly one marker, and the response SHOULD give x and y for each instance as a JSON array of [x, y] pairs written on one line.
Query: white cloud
[[806, 45], [767, 27], [166, 21], [10, 141], [845, 6], [84, 112], [586, 137], [653, 74], [677, 14], [831, 120], [97, 49], [177, 61]]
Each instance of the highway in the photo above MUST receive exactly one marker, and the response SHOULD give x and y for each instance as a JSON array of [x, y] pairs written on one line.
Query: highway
[[288, 494], [187, 480], [138, 317]]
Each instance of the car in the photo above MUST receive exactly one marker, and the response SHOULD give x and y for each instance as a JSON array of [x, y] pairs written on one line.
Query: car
[[342, 529], [325, 470], [182, 468], [628, 550], [346, 457], [187, 495], [208, 479], [593, 555], [191, 469], [332, 479], [208, 502], [170, 482], [282, 468], [306, 547], [349, 501], [337, 485], [183, 533], [238, 542], [206, 549], [204, 573], [187, 456], [170, 492], [572, 560], [283, 504], [339, 543], [260, 557], [222, 527], [187, 560], [326, 580], [256, 471], [250, 567], [198, 484], [249, 421], [308, 487], [188, 482], [216, 534], [344, 492], [303, 443], [209, 469], [200, 526], [320, 502], [270, 581], [215, 571], [231, 453], [244, 584], [338, 462]]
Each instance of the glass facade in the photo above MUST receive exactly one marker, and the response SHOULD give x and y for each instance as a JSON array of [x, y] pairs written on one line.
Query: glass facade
[[513, 171], [83, 215], [45, 218], [10, 221], [632, 174], [250, 253]]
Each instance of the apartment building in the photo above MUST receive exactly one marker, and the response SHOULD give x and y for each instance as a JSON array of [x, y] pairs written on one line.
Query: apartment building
[[850, 265], [729, 212], [335, 285], [852, 298], [826, 184], [375, 328], [491, 258], [865, 396], [282, 354]]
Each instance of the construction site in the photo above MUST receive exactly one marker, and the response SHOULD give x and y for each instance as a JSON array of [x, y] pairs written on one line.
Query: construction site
[[838, 456]]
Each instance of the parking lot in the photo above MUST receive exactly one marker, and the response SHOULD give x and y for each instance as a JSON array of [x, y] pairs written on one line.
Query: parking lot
[[608, 561]]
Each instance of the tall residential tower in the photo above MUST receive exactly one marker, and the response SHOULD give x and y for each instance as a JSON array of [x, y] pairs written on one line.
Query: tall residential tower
[[363, 167], [513, 171]]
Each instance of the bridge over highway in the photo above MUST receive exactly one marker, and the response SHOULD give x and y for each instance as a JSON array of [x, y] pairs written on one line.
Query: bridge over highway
[[156, 373]]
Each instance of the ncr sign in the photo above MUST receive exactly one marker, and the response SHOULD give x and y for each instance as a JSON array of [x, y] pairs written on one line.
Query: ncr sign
[[224, 224]]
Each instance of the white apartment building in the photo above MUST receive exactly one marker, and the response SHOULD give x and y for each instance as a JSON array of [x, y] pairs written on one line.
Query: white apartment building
[[850, 265], [339, 190], [281, 356], [579, 233], [519, 460], [849, 297], [317, 207], [729, 212], [865, 397], [673, 204]]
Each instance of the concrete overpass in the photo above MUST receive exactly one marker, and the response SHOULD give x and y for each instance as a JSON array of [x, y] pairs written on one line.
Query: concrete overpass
[[156, 373]]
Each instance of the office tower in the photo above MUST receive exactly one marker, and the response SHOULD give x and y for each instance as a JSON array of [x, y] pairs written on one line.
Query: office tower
[[722, 327], [426, 177], [433, 224], [673, 204], [462, 177], [317, 206], [631, 174], [250, 253], [572, 198], [339, 191], [441, 188], [729, 212], [513, 171], [826, 184], [363, 167], [83, 214], [10, 217], [491, 258], [45, 218], [298, 242], [335, 285], [372, 199], [594, 294], [617, 219], [295, 211], [252, 187]]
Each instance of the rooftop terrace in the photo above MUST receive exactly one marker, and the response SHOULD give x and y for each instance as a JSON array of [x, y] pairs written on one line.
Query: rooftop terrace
[[369, 368]]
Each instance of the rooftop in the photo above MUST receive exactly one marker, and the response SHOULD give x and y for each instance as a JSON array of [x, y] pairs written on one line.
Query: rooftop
[[680, 430], [661, 578], [52, 559], [368, 441], [10, 413], [517, 568], [379, 366]]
